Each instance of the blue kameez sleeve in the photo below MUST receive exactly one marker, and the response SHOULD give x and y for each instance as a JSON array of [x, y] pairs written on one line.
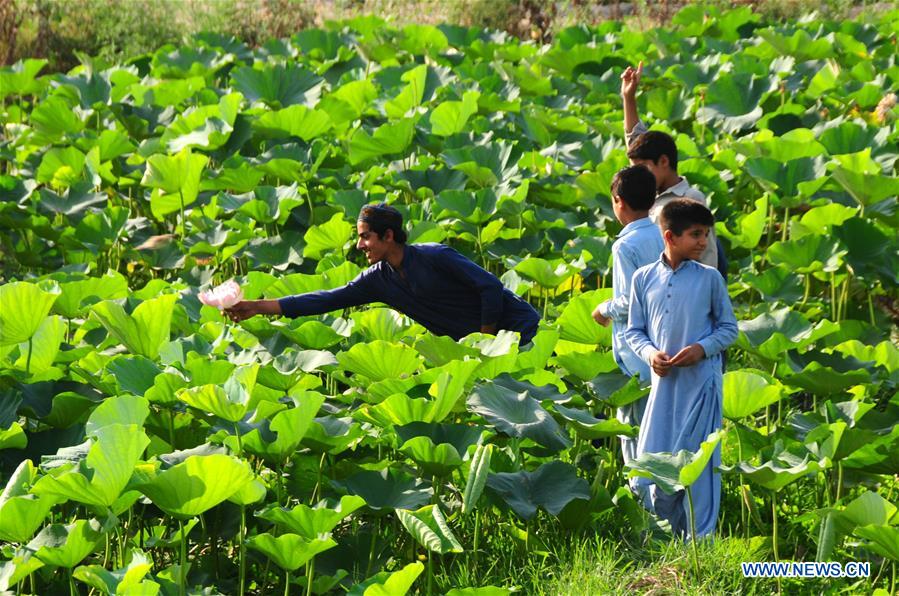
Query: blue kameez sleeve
[[624, 265], [488, 286], [362, 290], [725, 328], [637, 336]]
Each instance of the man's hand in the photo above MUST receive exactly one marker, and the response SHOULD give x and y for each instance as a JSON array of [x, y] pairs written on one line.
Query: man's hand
[[688, 356], [248, 308], [630, 80], [601, 318], [660, 363]]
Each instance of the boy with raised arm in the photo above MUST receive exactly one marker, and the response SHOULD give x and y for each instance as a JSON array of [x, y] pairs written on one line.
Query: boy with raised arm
[[680, 321], [658, 152], [639, 243]]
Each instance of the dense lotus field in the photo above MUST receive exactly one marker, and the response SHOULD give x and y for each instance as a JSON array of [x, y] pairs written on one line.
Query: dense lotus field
[[149, 445]]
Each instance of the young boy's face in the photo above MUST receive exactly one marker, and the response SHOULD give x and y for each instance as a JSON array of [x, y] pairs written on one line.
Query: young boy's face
[[659, 169], [618, 208], [689, 245]]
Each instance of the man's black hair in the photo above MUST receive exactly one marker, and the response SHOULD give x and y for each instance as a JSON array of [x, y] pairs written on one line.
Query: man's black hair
[[382, 217], [652, 145], [636, 186], [679, 214]]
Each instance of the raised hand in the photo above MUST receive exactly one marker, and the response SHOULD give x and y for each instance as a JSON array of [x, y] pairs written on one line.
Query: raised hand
[[600, 318], [630, 80]]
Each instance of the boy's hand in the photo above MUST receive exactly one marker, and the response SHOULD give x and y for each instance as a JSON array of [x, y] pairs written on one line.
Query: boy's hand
[[688, 356], [630, 80], [248, 308], [660, 363], [601, 318]]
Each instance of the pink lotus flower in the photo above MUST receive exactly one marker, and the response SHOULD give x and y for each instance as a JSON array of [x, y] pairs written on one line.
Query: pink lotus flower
[[224, 296]]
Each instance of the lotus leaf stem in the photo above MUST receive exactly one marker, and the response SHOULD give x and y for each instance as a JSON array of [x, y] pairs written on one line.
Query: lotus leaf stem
[[286, 582], [28, 360], [310, 573], [774, 524], [242, 564], [183, 571], [693, 531]]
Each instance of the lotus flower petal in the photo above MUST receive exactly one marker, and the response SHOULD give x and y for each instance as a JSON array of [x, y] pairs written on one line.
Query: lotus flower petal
[[224, 296]]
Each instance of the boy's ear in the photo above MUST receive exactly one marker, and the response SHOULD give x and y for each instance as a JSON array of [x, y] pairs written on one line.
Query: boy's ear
[[388, 235], [668, 236], [663, 161]]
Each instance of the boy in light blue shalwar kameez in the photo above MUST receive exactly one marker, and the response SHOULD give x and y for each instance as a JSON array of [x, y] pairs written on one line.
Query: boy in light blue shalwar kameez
[[680, 320], [639, 243]]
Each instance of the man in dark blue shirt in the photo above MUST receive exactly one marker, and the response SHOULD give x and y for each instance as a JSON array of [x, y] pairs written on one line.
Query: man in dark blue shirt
[[430, 283]]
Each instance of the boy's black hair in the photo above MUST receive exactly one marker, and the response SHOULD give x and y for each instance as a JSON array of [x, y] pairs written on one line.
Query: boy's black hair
[[636, 186], [382, 217], [679, 214], [652, 145]]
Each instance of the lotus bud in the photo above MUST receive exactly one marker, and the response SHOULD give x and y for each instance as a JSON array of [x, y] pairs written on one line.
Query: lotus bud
[[224, 296]]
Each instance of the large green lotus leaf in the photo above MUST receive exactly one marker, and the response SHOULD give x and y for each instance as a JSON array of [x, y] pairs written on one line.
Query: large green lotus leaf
[[44, 348], [332, 435], [474, 207], [880, 456], [22, 513], [776, 284], [119, 409], [794, 144], [450, 117], [824, 380], [617, 389], [732, 100], [389, 139], [673, 472], [348, 102], [23, 562], [746, 392], [53, 118], [277, 85], [484, 165], [517, 414], [551, 486], [397, 409], [25, 306], [547, 274], [750, 226], [74, 294], [379, 323], [850, 137], [429, 528], [800, 45], [884, 540], [589, 427], [460, 436], [196, 485], [387, 489], [13, 437], [478, 471], [442, 349], [449, 388], [176, 175], [66, 546], [311, 522], [145, 330], [289, 551], [379, 360], [576, 320], [249, 493], [21, 79], [127, 580], [290, 426], [312, 334], [586, 365], [787, 180], [385, 583], [294, 121], [103, 475], [782, 466], [809, 253], [240, 177], [863, 178], [133, 374], [433, 459], [867, 509], [330, 236], [772, 334], [207, 127], [884, 354], [214, 399], [61, 167]]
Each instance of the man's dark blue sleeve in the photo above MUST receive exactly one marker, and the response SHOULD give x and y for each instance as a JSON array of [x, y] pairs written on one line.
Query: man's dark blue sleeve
[[488, 285], [361, 290]]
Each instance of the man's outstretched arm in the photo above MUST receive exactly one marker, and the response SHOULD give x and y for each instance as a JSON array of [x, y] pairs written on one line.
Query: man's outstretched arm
[[630, 81]]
